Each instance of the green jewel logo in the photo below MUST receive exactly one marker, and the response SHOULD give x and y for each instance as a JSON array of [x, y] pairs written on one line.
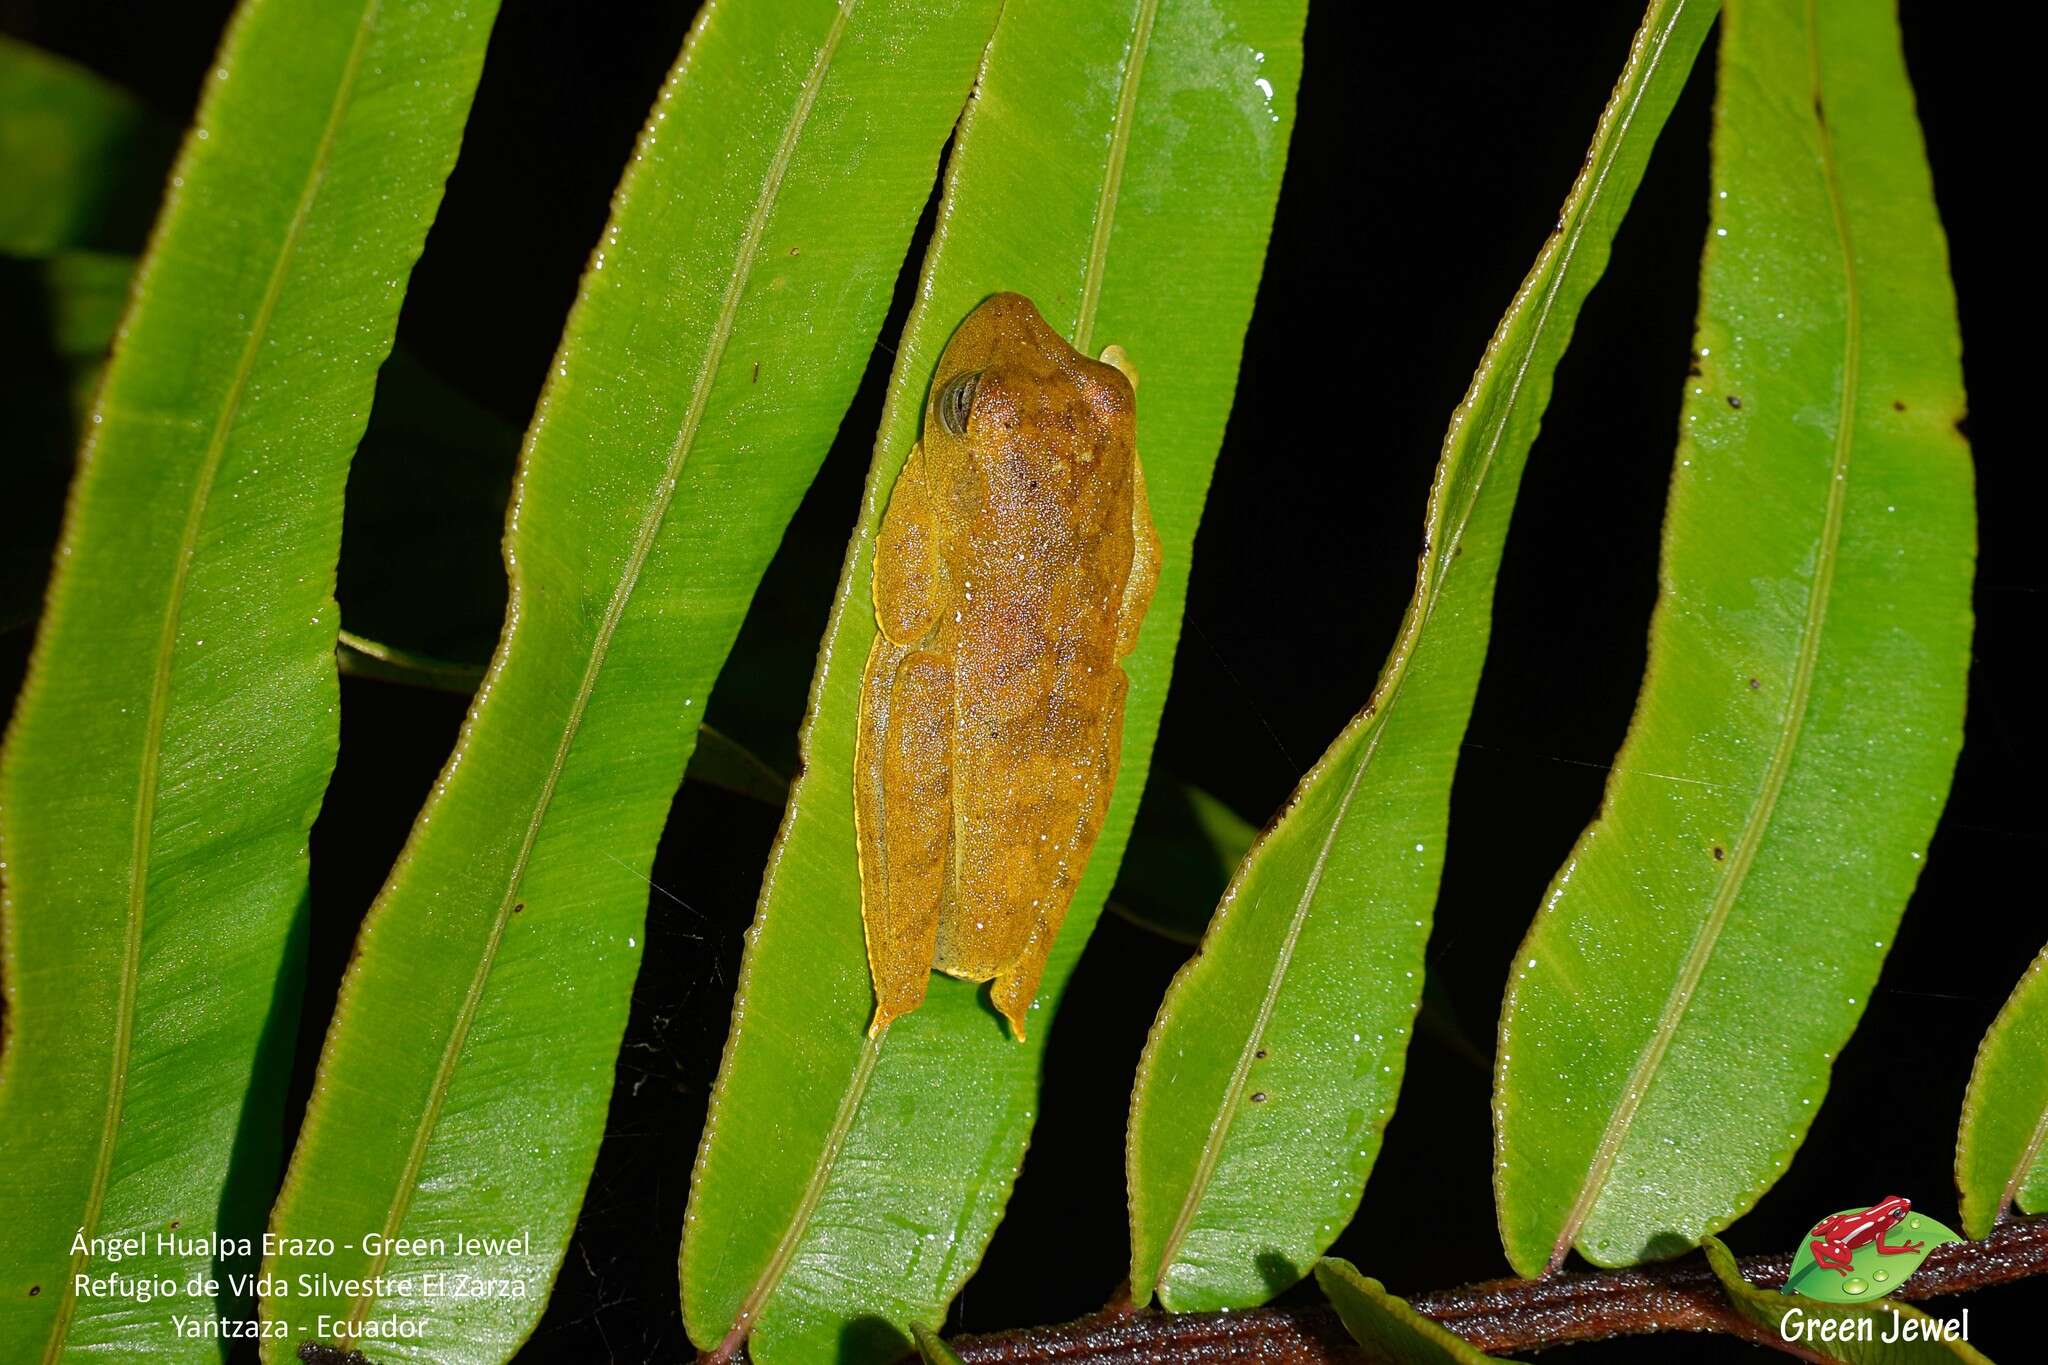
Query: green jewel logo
[[1862, 1254]]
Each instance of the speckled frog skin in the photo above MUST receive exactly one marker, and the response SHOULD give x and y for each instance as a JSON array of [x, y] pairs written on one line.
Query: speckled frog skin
[[1014, 566]]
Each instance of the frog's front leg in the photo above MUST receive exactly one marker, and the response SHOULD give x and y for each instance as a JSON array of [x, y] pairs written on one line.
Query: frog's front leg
[[1143, 578], [1902, 1249], [1014, 989], [909, 584]]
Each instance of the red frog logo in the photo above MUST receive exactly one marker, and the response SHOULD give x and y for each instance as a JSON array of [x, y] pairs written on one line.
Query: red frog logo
[[1835, 1239], [1853, 1244]]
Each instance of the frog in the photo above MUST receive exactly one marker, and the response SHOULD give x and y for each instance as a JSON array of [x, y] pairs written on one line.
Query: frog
[[1836, 1238], [1013, 567]]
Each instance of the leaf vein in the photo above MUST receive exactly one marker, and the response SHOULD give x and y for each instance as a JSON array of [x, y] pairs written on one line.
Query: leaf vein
[[615, 609], [1743, 852], [150, 767], [1428, 594], [821, 1174], [1113, 175], [2032, 1153]]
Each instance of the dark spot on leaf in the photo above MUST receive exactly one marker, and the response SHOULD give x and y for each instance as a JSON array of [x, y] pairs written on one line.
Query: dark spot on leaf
[[1898, 405], [757, 373], [34, 1290], [1258, 1097], [314, 1353], [1259, 1056], [517, 908], [1692, 370], [1733, 401], [1820, 112], [177, 1222], [1754, 684], [1719, 853]]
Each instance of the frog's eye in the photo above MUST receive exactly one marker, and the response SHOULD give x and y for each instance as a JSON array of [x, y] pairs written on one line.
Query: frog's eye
[[956, 400]]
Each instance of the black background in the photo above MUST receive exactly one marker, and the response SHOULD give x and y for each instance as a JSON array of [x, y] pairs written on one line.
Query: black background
[[1433, 145]]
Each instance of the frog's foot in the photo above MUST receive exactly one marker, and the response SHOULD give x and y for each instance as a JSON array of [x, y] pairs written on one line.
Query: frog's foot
[[899, 999], [1013, 992], [1902, 1249], [1011, 1010]]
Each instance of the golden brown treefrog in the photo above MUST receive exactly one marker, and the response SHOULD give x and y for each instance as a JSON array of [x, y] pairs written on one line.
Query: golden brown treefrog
[[1013, 567]]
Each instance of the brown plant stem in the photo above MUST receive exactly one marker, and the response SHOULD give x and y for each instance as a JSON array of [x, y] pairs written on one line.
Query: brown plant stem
[[1496, 1316]]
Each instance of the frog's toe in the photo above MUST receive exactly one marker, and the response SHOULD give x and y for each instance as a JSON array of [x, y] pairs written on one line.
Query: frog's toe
[[1004, 994], [897, 995], [1116, 357]]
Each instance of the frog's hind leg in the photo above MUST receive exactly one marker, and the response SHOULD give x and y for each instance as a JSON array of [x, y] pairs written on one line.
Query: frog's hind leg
[[1016, 987], [1831, 1257], [903, 818]]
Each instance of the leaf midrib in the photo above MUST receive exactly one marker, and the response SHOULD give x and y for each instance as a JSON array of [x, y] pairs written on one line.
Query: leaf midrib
[[1113, 175], [148, 777], [1742, 853], [1094, 271], [814, 1193], [2032, 1153], [1378, 710], [615, 608]]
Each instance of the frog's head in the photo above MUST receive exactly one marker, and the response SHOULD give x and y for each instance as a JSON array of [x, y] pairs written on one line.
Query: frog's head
[[1017, 416], [1894, 1207]]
